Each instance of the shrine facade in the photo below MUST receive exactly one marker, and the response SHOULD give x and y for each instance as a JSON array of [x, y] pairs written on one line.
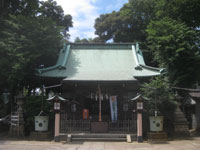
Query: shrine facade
[[98, 80]]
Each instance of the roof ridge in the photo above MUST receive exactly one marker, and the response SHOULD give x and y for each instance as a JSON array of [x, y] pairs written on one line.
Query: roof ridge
[[117, 43]]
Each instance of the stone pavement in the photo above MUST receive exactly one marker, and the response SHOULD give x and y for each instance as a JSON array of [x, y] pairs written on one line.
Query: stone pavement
[[184, 144]]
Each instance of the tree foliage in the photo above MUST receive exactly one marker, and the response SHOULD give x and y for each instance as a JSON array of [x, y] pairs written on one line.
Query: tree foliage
[[130, 22], [161, 98], [186, 11], [127, 25], [89, 40], [50, 9], [29, 38], [25, 45], [19, 7], [175, 44]]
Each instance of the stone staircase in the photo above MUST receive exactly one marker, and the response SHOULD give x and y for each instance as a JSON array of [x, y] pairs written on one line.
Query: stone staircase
[[181, 126], [98, 137]]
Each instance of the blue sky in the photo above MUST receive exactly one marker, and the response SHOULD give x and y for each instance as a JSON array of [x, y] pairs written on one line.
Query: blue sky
[[84, 13]]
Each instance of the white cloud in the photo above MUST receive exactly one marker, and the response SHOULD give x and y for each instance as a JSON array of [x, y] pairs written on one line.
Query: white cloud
[[115, 6], [84, 13]]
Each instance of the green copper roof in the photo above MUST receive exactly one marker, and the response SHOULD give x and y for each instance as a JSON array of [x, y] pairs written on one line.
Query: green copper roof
[[99, 62]]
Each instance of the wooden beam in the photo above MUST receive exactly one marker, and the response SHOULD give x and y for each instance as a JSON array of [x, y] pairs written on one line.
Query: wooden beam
[[99, 92]]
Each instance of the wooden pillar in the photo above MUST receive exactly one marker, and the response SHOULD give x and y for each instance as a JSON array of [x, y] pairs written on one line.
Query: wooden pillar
[[139, 127], [57, 127], [99, 91]]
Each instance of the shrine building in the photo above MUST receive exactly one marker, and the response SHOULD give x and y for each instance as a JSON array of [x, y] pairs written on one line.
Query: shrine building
[[98, 80]]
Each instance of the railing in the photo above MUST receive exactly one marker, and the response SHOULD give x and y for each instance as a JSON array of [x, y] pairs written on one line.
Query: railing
[[84, 125], [123, 126], [73, 125]]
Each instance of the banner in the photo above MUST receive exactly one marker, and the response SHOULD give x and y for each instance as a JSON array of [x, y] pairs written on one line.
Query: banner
[[113, 108]]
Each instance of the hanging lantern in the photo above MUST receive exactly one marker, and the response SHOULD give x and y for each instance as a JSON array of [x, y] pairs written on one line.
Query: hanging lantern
[[73, 107], [125, 107], [56, 105], [139, 105]]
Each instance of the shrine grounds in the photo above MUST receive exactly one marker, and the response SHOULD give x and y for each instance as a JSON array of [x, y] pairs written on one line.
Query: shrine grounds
[[191, 143]]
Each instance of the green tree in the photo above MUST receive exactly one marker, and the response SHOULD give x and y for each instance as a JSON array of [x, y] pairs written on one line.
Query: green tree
[[78, 40], [29, 37], [50, 9], [19, 7], [176, 47], [186, 11], [161, 97], [26, 43], [89, 40], [128, 24]]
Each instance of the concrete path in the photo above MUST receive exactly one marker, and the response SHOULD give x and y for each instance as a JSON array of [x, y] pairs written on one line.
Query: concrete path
[[191, 144]]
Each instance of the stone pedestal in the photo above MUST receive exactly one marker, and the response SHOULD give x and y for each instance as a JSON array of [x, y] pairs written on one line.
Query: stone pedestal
[[157, 136], [40, 136], [181, 126]]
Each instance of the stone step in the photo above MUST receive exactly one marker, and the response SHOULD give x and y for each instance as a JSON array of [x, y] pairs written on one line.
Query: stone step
[[97, 137]]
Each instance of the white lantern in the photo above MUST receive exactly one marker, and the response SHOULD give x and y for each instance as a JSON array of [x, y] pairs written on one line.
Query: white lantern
[[56, 105], [139, 105]]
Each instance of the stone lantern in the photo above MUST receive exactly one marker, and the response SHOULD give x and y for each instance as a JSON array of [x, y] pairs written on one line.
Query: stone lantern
[[17, 119]]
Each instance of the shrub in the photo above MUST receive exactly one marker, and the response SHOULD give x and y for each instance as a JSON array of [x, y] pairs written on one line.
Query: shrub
[[160, 95]]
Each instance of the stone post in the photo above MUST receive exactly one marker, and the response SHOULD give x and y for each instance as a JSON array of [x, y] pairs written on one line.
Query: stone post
[[139, 127], [57, 127]]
